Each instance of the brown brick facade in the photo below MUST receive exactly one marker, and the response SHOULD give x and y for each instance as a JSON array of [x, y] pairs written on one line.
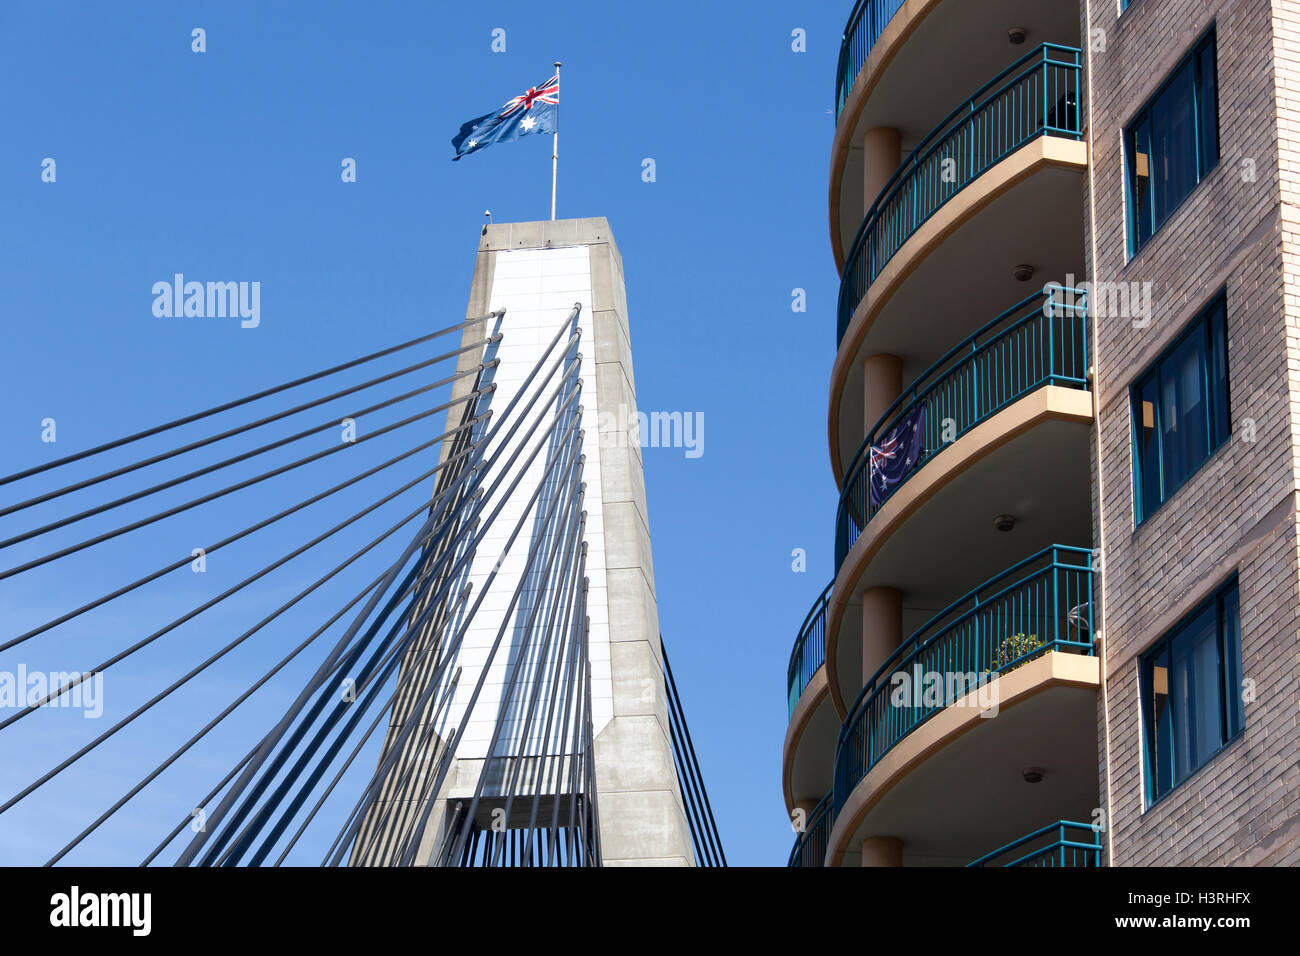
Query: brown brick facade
[[1236, 231]]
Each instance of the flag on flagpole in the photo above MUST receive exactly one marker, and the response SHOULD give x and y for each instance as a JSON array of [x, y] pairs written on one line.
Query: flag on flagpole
[[536, 111]]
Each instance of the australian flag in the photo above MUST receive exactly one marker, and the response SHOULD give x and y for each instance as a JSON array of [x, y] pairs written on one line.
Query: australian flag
[[536, 111], [895, 457]]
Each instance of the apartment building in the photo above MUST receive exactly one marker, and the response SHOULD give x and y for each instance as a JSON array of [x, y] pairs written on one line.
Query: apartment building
[[1064, 422]]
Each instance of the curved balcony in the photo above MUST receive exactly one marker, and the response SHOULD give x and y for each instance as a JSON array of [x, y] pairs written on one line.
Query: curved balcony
[[809, 746], [1040, 605], [1059, 844], [1042, 340], [1036, 96], [865, 24], [810, 848], [809, 651]]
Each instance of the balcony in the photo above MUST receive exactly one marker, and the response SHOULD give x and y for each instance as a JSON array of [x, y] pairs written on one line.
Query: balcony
[[1041, 605], [1041, 341], [866, 23], [1058, 845], [809, 650], [810, 848], [809, 747], [1036, 96]]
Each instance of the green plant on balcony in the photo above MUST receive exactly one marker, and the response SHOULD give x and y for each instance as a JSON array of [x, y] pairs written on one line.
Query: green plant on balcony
[[1017, 648]]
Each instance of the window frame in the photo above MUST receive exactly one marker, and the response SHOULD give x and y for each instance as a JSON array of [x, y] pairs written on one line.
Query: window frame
[[1200, 153], [1218, 433], [1231, 707]]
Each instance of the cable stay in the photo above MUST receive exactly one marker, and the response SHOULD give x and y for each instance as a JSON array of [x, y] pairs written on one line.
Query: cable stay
[[413, 686]]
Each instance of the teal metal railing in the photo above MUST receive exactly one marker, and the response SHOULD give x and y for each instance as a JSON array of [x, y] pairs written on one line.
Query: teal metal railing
[[810, 847], [863, 29], [1042, 340], [1059, 844], [1036, 96], [1042, 604], [809, 651]]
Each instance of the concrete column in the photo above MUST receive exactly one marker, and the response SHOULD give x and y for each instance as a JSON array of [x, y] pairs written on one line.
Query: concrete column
[[882, 382], [807, 806], [882, 627], [881, 154], [641, 812], [882, 851]]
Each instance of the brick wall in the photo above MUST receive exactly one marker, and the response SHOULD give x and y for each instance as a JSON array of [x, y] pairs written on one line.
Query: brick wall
[[1237, 230]]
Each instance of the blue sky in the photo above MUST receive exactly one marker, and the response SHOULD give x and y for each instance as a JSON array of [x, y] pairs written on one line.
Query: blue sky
[[226, 165]]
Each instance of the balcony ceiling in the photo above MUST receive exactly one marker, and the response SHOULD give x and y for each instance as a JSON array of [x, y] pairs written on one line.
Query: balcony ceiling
[[814, 754], [970, 798]]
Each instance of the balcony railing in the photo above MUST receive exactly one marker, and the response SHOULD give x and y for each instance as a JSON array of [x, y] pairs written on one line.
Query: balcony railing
[[1059, 844], [809, 650], [1042, 340], [1036, 96], [810, 847], [866, 23], [1042, 604]]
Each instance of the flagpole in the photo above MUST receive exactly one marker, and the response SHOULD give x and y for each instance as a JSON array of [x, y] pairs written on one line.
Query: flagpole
[[555, 141]]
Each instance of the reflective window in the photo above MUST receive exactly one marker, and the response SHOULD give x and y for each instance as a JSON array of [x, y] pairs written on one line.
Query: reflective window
[[1191, 693], [1172, 143], [1180, 410]]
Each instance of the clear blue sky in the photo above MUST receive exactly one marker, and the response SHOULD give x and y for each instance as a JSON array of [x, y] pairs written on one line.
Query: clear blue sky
[[225, 165]]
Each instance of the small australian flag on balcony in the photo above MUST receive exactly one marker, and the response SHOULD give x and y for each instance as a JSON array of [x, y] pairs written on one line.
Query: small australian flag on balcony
[[894, 458], [535, 111]]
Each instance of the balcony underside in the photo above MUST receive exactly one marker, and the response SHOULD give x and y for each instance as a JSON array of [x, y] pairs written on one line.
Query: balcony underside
[[916, 74], [1030, 460], [954, 789], [957, 272], [808, 755]]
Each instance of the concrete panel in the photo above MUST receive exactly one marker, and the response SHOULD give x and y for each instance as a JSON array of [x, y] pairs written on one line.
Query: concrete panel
[[636, 694], [627, 539], [650, 826], [636, 733], [631, 604]]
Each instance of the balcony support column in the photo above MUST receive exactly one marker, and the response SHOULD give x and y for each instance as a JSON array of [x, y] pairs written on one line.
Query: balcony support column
[[807, 806], [881, 155], [882, 382], [882, 627], [882, 851]]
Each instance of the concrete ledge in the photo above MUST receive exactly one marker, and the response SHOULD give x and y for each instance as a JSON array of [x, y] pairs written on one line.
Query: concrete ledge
[[1053, 669], [550, 234], [665, 861]]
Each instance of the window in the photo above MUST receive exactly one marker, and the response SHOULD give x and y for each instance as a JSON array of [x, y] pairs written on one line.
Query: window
[[1172, 143], [1191, 693], [1180, 410]]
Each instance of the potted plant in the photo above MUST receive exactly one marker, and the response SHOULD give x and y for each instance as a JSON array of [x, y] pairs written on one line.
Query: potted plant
[[1018, 648]]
